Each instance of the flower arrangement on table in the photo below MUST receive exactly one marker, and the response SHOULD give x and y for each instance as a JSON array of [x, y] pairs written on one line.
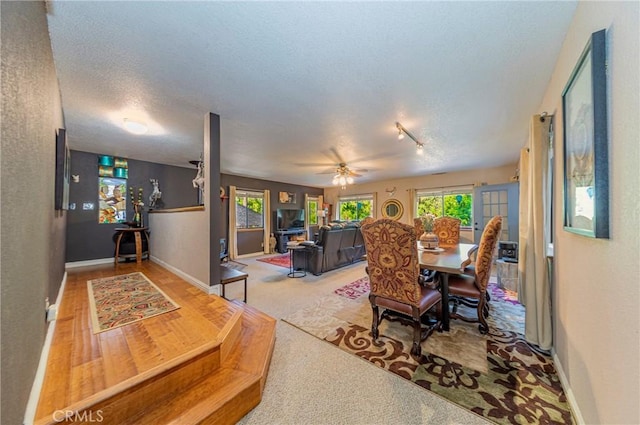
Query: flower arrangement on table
[[427, 222], [137, 206], [428, 239]]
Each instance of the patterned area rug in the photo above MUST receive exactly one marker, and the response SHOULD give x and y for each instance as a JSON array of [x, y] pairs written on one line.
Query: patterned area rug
[[282, 260], [119, 300], [498, 376]]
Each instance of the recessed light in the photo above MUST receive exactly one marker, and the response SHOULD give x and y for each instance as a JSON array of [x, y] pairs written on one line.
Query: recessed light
[[135, 127]]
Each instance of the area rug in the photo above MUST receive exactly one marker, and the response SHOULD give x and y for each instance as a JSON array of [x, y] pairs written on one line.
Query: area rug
[[498, 376], [120, 300], [278, 260]]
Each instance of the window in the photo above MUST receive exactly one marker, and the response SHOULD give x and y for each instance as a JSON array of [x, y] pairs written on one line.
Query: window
[[452, 202], [249, 209], [355, 207], [312, 208]]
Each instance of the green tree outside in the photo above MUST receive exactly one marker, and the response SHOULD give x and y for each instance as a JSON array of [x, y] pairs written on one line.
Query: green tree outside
[[456, 205]]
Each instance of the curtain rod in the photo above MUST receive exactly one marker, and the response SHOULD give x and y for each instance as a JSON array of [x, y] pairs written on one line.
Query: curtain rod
[[544, 115]]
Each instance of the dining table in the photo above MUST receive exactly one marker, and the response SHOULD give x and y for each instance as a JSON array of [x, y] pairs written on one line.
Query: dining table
[[446, 260]]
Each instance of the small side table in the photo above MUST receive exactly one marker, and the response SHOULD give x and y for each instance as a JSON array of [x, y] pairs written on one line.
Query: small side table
[[293, 272], [228, 275], [137, 233], [507, 275]]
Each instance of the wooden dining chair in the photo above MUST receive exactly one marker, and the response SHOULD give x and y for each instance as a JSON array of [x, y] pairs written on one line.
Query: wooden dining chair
[[447, 229], [395, 279], [471, 290]]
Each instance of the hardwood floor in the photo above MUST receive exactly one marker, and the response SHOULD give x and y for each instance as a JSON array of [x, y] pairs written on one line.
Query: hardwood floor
[[205, 362]]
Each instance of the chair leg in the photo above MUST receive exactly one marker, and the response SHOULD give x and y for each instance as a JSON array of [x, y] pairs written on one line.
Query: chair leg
[[375, 319], [483, 327], [416, 349]]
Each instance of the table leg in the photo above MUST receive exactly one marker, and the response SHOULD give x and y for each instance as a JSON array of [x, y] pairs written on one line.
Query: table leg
[[245, 290], [223, 285], [444, 288], [115, 260], [138, 247]]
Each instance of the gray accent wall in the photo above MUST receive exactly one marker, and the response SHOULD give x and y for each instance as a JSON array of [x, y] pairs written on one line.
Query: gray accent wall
[[89, 240], [32, 231], [250, 241]]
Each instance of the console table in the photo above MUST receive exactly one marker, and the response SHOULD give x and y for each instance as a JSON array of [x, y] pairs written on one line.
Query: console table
[[282, 238]]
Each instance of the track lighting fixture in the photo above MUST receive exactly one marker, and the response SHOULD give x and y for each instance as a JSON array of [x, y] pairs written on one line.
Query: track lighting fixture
[[402, 131]]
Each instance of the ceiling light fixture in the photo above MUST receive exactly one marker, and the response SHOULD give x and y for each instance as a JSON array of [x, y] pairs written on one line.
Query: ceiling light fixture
[[402, 131], [343, 176], [135, 127]]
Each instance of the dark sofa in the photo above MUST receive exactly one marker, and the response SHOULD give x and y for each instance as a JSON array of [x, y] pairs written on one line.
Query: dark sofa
[[337, 245]]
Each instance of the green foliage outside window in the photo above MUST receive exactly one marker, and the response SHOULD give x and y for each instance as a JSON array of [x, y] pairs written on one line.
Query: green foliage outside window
[[355, 210], [312, 207], [254, 204], [456, 205]]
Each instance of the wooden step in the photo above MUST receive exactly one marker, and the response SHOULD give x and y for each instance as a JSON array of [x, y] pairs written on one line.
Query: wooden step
[[220, 381]]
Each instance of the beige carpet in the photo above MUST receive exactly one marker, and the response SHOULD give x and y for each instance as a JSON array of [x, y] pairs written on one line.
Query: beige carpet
[[312, 382]]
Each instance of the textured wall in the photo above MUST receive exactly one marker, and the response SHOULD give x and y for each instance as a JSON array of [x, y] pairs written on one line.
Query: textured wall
[[32, 232], [89, 240], [596, 290]]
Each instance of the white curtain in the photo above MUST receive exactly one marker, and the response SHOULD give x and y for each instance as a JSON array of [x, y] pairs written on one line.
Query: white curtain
[[533, 287], [233, 230], [412, 207], [266, 208]]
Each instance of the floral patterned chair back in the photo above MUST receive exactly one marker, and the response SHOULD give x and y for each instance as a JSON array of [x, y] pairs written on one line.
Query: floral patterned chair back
[[484, 258], [417, 223], [392, 256], [366, 220], [447, 229]]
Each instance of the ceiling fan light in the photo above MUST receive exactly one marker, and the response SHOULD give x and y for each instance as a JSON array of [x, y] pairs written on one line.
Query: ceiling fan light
[[342, 180], [335, 180], [350, 180]]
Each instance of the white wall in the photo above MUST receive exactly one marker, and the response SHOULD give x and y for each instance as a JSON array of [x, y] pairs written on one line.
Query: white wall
[[496, 175], [180, 242], [596, 293]]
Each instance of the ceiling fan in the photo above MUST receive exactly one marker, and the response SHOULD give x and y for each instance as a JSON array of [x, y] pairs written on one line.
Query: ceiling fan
[[344, 175]]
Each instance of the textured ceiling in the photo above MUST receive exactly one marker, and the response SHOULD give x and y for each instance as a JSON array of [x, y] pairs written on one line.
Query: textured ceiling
[[300, 86]]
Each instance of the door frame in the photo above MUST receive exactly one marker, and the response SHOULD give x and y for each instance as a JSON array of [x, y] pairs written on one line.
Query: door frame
[[513, 217]]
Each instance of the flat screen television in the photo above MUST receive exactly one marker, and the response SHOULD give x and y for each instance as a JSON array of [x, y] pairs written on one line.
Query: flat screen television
[[290, 219]]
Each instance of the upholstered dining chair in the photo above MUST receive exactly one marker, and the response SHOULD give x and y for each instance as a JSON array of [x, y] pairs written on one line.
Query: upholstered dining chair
[[447, 229], [417, 223], [471, 290], [395, 279], [366, 220]]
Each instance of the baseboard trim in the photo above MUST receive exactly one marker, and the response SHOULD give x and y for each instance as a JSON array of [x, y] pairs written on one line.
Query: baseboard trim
[[211, 290], [85, 263], [36, 389], [567, 389]]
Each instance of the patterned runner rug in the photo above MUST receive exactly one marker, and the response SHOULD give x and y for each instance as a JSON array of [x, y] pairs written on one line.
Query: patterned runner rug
[[119, 300], [498, 376], [282, 260]]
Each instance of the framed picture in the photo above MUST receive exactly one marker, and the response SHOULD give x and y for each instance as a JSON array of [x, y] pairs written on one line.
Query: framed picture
[[287, 197], [586, 161], [63, 172]]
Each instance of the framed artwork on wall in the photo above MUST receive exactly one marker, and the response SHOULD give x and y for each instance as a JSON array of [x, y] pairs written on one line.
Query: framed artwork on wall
[[586, 162], [63, 171]]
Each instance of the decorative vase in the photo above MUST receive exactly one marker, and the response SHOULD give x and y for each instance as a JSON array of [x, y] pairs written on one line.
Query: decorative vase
[[429, 240]]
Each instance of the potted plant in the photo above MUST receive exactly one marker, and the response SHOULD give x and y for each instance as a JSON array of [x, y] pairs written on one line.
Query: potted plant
[[428, 239]]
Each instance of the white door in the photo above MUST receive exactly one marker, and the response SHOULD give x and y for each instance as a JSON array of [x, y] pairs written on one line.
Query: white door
[[499, 199]]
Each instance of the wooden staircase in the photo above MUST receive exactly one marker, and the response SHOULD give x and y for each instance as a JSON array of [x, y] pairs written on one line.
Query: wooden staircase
[[216, 382]]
